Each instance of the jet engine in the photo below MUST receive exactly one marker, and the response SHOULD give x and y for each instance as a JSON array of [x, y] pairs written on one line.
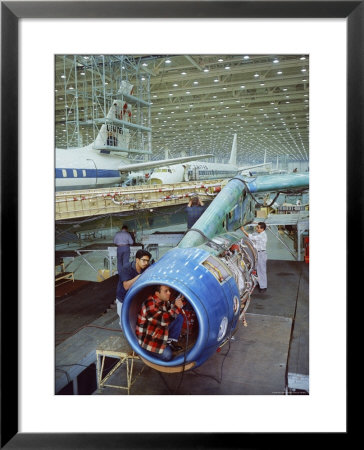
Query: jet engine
[[216, 278]]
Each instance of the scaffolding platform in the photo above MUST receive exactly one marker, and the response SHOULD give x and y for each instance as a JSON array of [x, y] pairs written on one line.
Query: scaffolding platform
[[94, 202]]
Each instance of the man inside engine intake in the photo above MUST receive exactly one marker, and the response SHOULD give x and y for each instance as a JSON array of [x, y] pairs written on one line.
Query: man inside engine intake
[[159, 324]]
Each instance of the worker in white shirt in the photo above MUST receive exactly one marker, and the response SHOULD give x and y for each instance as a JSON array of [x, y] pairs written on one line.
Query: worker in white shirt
[[259, 239]]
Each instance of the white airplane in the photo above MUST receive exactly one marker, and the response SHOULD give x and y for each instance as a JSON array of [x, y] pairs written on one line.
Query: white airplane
[[201, 170], [138, 178], [100, 164], [277, 170]]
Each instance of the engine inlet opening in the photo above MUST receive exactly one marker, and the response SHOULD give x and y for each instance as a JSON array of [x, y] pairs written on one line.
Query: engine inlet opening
[[190, 327]]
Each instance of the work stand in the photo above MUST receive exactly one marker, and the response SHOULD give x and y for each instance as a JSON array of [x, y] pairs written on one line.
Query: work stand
[[116, 347]]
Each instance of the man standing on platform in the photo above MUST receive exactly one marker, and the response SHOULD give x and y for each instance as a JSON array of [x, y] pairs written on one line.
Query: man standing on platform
[[194, 210], [259, 239], [123, 240], [129, 274]]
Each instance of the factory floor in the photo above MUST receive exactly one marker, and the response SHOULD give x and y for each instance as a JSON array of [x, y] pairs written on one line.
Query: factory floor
[[260, 359], [267, 357]]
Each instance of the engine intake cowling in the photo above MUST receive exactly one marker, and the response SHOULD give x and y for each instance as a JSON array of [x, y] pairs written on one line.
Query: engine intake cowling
[[216, 287]]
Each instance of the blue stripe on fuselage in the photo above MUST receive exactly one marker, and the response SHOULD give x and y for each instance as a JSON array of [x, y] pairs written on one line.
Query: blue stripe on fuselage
[[214, 173], [90, 173]]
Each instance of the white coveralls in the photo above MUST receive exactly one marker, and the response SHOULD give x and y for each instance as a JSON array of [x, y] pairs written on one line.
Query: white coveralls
[[260, 243]]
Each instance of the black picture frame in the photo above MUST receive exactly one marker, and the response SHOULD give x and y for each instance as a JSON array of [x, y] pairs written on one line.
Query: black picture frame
[[11, 12]]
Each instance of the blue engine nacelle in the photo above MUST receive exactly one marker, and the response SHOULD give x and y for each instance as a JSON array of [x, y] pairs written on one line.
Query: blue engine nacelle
[[216, 286]]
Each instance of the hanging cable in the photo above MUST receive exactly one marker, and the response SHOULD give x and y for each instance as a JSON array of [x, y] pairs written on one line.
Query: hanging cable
[[289, 192], [221, 367], [185, 353]]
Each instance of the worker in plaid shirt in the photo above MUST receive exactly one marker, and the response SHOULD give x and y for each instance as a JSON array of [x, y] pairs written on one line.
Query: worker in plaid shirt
[[159, 324]]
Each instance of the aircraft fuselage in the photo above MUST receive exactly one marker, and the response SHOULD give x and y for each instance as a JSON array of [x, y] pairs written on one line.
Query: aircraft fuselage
[[87, 168]]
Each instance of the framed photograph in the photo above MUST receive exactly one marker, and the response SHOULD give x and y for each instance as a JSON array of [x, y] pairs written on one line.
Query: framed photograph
[[31, 34]]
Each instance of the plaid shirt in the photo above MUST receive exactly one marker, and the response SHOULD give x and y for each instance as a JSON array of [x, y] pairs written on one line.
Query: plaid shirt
[[152, 324]]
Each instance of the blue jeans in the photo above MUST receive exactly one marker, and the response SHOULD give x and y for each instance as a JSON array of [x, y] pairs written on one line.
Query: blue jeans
[[174, 330], [123, 256]]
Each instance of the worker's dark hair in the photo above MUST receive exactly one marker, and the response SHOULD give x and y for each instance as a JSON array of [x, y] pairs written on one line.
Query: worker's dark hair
[[157, 287], [140, 253], [124, 227], [195, 201], [262, 225]]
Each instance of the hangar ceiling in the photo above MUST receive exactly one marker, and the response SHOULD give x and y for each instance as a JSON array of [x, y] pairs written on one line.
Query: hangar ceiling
[[199, 101]]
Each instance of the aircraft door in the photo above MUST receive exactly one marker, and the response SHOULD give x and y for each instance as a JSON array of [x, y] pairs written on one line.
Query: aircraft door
[[185, 173], [195, 173], [91, 173]]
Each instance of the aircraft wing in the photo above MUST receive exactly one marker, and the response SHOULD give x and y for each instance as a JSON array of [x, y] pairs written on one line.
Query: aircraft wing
[[241, 169], [160, 163]]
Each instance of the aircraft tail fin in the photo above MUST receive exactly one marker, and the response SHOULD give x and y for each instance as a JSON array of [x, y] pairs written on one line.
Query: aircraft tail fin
[[113, 133], [232, 159]]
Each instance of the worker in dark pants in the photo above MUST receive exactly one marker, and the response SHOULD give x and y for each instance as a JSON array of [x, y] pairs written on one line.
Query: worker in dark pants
[[123, 240], [130, 272], [194, 210]]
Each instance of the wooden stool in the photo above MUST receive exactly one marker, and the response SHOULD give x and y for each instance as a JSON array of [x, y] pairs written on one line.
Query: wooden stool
[[116, 347]]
